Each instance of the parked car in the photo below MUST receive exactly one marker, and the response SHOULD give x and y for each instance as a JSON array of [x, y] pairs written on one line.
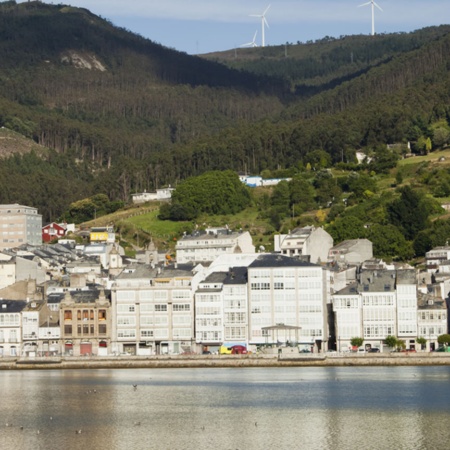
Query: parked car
[[408, 350], [238, 350], [374, 350], [443, 349], [361, 350], [225, 350]]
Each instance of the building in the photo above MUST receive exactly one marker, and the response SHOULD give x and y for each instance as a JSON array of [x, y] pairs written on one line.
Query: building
[[353, 251], [432, 320], [207, 246], [287, 302], [164, 194], [381, 303], [53, 231], [19, 225], [85, 318], [435, 257], [102, 235], [308, 241], [37, 342], [154, 309], [10, 327]]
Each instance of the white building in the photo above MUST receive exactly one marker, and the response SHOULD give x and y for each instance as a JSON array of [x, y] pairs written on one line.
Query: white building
[[19, 225], [153, 310], [352, 251], [307, 241], [432, 320], [289, 294], [221, 309], [207, 246], [160, 195], [10, 327], [435, 257], [382, 303]]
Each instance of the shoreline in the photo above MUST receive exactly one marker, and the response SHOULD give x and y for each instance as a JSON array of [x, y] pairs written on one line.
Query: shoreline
[[223, 361]]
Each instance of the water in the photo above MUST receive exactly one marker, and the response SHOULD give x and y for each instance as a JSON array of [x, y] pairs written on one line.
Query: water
[[249, 408]]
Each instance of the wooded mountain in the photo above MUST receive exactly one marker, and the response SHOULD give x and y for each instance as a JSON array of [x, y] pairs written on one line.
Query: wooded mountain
[[120, 113]]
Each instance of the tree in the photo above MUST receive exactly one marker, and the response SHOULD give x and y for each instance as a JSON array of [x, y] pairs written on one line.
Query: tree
[[422, 342], [389, 242], [408, 212], [348, 227], [444, 339], [391, 341], [356, 341]]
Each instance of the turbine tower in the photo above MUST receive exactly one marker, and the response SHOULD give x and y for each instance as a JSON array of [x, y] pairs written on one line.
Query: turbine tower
[[263, 24], [372, 2], [253, 43]]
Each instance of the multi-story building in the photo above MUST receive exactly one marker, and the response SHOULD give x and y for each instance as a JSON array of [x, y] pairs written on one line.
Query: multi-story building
[[10, 327], [432, 319], [435, 257], [381, 303], [19, 225], [154, 309], [85, 318], [221, 309], [352, 251], [34, 315], [289, 294], [311, 242], [207, 246]]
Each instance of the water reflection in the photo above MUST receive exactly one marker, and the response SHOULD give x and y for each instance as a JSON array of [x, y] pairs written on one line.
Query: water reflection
[[306, 408]]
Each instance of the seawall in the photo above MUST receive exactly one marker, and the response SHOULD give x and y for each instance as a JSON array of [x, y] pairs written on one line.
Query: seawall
[[215, 361]]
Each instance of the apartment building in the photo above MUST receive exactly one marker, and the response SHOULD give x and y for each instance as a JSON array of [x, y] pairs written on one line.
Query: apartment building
[[289, 294], [154, 309], [10, 327], [207, 246], [381, 303], [19, 225], [221, 309]]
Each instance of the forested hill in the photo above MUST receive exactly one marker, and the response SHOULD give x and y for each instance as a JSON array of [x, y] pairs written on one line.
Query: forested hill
[[120, 113]]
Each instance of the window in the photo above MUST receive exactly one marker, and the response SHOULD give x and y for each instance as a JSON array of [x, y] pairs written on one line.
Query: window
[[160, 308], [67, 329], [102, 328], [68, 315], [182, 307], [102, 314], [85, 329]]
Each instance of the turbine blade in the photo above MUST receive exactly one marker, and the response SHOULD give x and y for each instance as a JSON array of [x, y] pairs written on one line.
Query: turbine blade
[[377, 6], [265, 21], [365, 4], [267, 9]]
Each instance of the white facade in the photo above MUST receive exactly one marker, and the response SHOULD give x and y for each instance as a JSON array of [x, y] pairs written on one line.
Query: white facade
[[208, 246], [159, 195], [382, 303], [221, 308], [11, 327], [308, 241], [435, 257], [153, 310], [352, 251], [285, 291]]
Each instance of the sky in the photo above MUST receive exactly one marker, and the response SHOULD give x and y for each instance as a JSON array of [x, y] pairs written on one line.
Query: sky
[[203, 26]]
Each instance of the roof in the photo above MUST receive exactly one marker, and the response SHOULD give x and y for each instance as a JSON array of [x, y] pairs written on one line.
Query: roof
[[349, 244], [237, 275], [12, 306], [88, 296], [277, 260], [427, 302]]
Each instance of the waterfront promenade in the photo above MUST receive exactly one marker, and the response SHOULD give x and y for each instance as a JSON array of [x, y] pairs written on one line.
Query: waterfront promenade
[[212, 361]]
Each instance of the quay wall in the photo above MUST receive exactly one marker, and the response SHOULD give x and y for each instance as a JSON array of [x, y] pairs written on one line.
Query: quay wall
[[215, 361]]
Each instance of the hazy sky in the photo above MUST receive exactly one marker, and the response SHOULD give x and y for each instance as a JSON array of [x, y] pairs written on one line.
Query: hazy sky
[[202, 26]]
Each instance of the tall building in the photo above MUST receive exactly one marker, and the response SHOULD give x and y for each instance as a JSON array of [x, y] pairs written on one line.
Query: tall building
[[287, 301], [19, 225]]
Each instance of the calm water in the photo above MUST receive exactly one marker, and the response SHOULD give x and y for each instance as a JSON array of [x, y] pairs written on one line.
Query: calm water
[[295, 408]]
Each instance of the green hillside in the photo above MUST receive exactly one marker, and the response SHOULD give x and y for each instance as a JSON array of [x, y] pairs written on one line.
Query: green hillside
[[119, 114]]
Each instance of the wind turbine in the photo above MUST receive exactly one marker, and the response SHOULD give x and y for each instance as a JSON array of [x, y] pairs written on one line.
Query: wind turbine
[[263, 24], [253, 43], [372, 2]]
